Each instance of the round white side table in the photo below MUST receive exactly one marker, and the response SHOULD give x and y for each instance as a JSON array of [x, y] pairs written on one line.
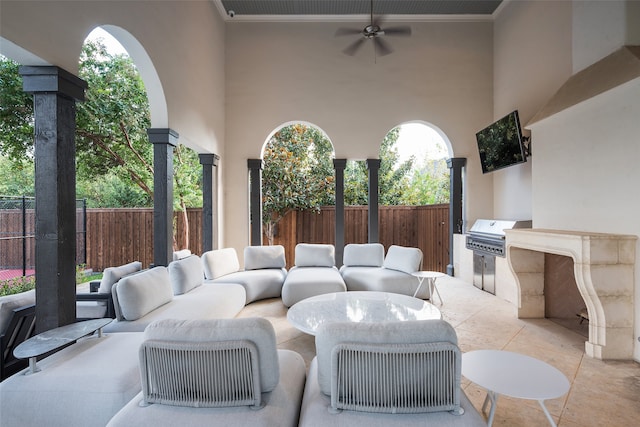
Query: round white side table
[[431, 277], [514, 375]]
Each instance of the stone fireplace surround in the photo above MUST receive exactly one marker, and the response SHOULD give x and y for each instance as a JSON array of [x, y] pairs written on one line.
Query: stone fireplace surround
[[604, 273]]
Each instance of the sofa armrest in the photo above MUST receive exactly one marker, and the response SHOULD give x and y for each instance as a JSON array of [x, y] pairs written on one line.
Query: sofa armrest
[[95, 296]]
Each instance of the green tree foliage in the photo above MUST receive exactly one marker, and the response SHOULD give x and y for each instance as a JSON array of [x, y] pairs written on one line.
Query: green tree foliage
[[393, 176], [429, 185], [297, 174], [16, 177], [114, 159]]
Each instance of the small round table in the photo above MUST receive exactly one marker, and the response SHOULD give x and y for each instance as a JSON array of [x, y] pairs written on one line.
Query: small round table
[[431, 277], [515, 375], [358, 306]]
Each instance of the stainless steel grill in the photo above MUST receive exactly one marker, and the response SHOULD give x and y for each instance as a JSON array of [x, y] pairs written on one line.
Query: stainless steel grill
[[487, 236]]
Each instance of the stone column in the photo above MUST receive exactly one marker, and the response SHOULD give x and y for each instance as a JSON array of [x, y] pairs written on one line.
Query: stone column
[[373, 165], [255, 200], [456, 224], [209, 164], [164, 141], [339, 165], [55, 92]]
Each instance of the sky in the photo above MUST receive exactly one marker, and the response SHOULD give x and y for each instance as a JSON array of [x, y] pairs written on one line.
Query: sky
[[415, 138]]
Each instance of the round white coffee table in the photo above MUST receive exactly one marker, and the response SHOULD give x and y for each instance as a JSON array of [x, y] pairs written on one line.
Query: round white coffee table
[[431, 277], [308, 314], [515, 375]]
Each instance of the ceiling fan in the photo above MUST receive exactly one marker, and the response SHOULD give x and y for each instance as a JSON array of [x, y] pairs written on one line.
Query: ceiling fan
[[373, 32]]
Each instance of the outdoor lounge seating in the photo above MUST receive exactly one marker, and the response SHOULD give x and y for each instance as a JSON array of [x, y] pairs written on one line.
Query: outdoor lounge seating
[[99, 304], [17, 323], [366, 268], [84, 384], [374, 374], [235, 376], [314, 273], [173, 292], [263, 275]]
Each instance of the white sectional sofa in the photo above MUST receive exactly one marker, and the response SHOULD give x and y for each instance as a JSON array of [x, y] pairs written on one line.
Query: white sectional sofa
[[174, 292], [263, 275], [366, 268], [314, 273]]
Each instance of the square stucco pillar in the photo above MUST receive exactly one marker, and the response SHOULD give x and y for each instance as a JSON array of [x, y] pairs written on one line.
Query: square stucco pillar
[[209, 164], [55, 92], [164, 141]]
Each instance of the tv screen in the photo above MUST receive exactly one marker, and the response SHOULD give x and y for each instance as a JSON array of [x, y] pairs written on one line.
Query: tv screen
[[500, 144]]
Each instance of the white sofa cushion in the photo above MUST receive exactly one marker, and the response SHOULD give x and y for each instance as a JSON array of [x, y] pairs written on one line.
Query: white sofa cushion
[[219, 262], [315, 255], [259, 257], [111, 275], [256, 330], [403, 259], [142, 293], [182, 253], [363, 255], [185, 274]]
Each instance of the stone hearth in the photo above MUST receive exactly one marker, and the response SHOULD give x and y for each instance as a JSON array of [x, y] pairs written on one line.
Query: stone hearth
[[604, 273]]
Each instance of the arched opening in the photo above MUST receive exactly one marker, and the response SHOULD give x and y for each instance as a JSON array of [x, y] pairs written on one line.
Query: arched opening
[[297, 177]]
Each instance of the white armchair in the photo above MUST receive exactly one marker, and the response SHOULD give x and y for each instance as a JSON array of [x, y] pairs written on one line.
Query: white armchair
[[381, 374], [215, 372]]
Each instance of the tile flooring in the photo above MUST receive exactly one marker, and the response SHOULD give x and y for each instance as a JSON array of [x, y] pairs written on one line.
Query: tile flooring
[[603, 393]]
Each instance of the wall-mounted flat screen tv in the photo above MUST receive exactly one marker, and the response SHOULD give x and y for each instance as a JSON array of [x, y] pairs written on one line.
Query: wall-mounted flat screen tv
[[500, 144]]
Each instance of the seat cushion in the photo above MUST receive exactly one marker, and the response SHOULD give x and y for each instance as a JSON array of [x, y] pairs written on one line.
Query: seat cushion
[[139, 294], [305, 282], [382, 279], [219, 262], [363, 255], [84, 384], [258, 284], [111, 275], [403, 259], [315, 255], [259, 257], [213, 301], [185, 274]]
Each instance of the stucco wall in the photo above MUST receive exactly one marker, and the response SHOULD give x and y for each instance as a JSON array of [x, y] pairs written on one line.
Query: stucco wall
[[279, 72], [184, 41]]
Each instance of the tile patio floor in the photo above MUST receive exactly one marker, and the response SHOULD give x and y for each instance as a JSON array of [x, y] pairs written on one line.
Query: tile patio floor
[[603, 393]]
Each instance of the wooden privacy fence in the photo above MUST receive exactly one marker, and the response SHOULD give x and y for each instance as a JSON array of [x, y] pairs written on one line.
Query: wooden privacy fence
[[425, 227], [118, 236]]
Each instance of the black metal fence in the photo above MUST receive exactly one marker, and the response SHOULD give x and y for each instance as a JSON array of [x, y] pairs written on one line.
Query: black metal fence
[[17, 235]]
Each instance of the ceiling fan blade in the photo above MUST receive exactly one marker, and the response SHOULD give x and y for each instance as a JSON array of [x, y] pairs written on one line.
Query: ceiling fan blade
[[347, 32], [397, 31], [353, 47], [382, 48]]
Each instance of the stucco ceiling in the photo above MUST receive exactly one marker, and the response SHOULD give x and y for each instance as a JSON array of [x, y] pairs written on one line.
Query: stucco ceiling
[[307, 10]]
